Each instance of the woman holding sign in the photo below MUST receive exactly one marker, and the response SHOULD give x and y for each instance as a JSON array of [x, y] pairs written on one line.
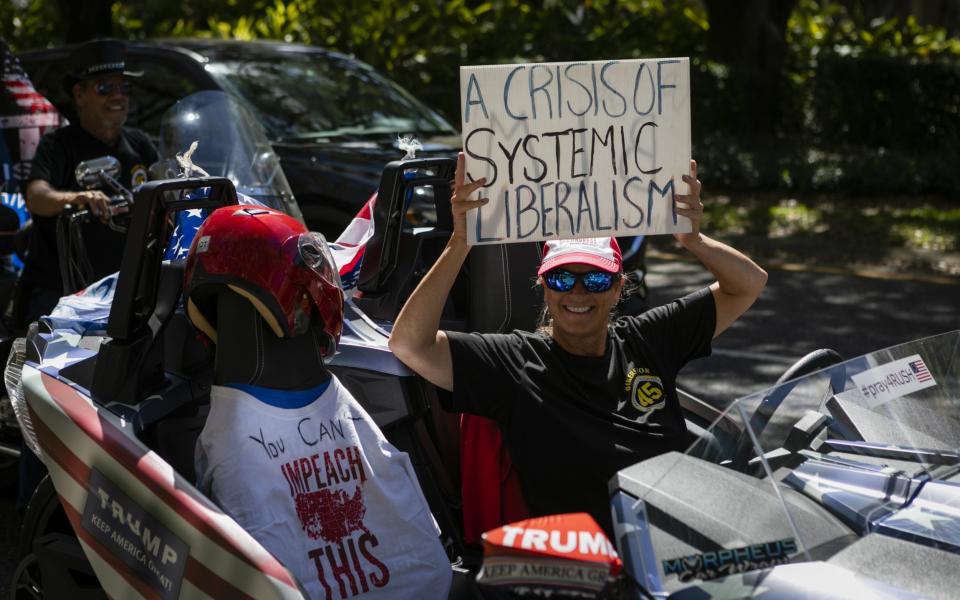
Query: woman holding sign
[[587, 395]]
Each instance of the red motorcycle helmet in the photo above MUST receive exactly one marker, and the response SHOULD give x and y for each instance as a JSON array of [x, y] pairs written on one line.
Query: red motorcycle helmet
[[269, 258]]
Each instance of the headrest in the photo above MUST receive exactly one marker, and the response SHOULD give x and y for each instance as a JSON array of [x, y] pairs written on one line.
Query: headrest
[[248, 352]]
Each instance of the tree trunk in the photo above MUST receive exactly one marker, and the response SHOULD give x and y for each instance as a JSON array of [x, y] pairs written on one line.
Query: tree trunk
[[749, 36]]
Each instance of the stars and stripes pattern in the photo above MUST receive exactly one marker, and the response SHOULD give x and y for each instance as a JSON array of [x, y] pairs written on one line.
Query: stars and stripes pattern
[[76, 436], [187, 223], [349, 248], [20, 104], [25, 115], [347, 251], [185, 229], [920, 370]]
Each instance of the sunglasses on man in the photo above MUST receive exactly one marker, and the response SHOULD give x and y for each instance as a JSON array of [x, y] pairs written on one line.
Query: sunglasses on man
[[106, 88], [595, 282]]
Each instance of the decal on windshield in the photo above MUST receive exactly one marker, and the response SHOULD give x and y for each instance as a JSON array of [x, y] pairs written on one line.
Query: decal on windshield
[[893, 380], [721, 563], [126, 530]]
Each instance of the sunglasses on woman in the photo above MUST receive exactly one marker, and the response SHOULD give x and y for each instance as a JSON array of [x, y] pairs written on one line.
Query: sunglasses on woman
[[596, 282], [105, 88]]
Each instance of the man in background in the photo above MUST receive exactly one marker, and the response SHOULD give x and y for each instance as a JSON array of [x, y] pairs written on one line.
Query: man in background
[[100, 86]]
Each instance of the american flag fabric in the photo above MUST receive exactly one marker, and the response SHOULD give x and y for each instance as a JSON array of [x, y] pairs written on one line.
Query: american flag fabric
[[349, 248], [79, 438], [347, 251], [25, 115], [87, 311], [20, 104], [188, 221], [920, 370]]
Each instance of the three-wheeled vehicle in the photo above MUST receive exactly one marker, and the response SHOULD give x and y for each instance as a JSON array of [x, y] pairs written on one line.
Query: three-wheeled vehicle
[[842, 482]]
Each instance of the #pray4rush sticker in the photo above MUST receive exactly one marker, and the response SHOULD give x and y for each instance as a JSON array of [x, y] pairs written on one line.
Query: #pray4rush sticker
[[894, 380]]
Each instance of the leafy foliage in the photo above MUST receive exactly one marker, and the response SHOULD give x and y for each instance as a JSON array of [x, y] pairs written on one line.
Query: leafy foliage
[[866, 104]]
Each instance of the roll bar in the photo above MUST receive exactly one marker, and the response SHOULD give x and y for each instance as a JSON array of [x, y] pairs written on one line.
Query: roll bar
[[148, 291]]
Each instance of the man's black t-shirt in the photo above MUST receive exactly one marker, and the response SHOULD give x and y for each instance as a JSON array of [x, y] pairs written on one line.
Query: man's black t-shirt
[[57, 156], [571, 422]]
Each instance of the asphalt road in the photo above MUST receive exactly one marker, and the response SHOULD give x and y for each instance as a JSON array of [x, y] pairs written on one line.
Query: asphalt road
[[800, 311]]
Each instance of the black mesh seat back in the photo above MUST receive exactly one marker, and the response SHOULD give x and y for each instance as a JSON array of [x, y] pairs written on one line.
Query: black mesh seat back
[[503, 295], [495, 291], [399, 254], [415, 254]]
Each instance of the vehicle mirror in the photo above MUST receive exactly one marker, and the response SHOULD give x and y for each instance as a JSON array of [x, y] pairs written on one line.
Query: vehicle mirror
[[88, 172]]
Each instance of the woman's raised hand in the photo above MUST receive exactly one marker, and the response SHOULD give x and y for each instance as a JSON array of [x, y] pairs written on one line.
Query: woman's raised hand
[[460, 201], [690, 206]]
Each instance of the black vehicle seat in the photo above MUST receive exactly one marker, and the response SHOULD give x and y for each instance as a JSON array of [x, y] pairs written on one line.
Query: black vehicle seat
[[398, 255], [503, 291], [190, 360], [494, 292], [243, 355], [185, 356], [503, 297], [173, 417]]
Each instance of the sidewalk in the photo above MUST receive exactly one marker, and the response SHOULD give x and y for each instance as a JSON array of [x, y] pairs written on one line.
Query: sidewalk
[[807, 255], [895, 237]]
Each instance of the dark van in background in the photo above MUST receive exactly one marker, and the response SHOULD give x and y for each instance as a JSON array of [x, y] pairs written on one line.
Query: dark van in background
[[333, 120]]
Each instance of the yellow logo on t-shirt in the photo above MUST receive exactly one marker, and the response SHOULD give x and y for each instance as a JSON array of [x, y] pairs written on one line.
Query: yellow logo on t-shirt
[[646, 393], [138, 175]]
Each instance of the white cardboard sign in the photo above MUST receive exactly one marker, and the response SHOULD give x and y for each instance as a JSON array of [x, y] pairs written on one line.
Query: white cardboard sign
[[576, 149]]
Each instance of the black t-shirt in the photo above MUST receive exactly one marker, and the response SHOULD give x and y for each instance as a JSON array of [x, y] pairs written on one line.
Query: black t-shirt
[[571, 422], [57, 156]]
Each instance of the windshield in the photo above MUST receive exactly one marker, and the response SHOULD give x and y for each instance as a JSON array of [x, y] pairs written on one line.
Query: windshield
[[319, 95], [230, 143], [801, 470]]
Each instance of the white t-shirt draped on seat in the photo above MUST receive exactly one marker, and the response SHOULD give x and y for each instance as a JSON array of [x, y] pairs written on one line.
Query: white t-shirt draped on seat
[[312, 478]]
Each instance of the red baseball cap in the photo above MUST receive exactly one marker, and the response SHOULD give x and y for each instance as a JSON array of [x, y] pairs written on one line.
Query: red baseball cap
[[603, 253]]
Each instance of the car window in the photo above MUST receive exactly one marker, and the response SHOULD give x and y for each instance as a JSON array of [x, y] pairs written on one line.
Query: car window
[[323, 96]]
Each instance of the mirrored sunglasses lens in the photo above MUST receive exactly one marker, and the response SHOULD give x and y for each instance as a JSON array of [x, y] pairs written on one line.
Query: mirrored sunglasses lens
[[105, 88], [597, 281], [561, 281]]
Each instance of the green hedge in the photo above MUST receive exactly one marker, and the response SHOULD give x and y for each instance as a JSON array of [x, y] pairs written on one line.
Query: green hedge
[[861, 125], [866, 107], [887, 102]]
